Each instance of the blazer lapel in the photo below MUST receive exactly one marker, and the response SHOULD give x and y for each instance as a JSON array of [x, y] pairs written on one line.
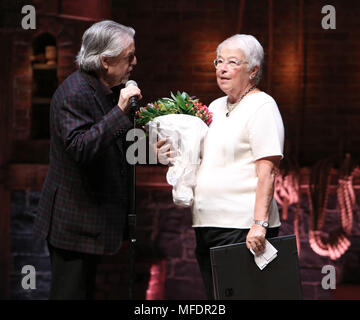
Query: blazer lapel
[[100, 92], [103, 101]]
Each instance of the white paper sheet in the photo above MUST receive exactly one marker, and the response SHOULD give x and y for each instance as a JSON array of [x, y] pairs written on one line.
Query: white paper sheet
[[270, 253]]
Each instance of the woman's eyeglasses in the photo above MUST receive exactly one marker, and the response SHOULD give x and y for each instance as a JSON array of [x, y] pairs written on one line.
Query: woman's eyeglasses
[[232, 63]]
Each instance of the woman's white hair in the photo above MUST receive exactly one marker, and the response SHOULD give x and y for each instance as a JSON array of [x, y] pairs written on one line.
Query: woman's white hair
[[252, 49], [105, 38]]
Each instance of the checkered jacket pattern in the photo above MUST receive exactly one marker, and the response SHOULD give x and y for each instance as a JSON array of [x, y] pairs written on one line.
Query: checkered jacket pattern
[[85, 196]]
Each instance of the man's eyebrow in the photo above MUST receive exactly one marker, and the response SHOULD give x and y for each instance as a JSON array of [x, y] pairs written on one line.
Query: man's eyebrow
[[131, 53]]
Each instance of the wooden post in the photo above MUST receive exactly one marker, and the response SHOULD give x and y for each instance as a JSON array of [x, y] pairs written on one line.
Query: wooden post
[[240, 16], [5, 144], [270, 45], [301, 98]]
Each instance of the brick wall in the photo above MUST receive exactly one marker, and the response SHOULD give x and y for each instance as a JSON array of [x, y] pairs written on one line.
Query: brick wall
[[26, 249], [313, 74], [331, 93], [311, 264], [67, 34], [166, 243]]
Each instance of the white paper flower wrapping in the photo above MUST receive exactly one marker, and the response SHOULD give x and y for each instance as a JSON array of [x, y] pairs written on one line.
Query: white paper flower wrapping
[[186, 134]]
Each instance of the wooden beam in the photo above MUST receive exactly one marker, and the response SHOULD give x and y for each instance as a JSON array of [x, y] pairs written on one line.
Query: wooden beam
[[94, 10], [31, 177], [27, 176], [30, 151], [240, 16], [270, 45], [4, 243], [152, 177]]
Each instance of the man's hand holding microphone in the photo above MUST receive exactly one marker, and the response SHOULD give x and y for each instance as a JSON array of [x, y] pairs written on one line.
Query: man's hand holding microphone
[[129, 96]]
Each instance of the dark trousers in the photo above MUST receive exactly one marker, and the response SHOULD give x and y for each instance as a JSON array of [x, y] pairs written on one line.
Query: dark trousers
[[208, 237], [73, 274]]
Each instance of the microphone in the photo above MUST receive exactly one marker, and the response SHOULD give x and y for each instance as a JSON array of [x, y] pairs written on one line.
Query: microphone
[[134, 99]]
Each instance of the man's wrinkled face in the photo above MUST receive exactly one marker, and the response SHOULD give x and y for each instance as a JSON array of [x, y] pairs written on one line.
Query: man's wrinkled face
[[120, 67]]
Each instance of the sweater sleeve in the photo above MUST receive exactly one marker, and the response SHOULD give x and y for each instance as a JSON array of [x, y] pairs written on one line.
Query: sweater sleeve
[[266, 132]]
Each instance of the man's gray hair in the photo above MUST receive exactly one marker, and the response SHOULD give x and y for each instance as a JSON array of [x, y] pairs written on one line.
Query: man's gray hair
[[105, 38], [252, 49]]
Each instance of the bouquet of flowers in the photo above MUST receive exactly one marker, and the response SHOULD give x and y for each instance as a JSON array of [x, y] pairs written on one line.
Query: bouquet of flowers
[[182, 103], [184, 121]]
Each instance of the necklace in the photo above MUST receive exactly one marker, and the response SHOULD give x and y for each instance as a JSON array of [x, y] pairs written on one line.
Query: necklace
[[231, 107]]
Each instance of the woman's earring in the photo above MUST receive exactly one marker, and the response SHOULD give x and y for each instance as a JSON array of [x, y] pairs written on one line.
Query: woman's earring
[[251, 77]]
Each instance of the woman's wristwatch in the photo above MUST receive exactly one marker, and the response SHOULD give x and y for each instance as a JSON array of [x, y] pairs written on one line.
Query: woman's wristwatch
[[264, 224]]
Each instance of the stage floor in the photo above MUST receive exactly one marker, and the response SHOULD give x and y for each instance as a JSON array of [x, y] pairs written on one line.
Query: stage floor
[[346, 292]]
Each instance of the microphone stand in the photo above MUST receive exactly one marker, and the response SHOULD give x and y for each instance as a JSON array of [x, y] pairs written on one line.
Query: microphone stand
[[132, 214]]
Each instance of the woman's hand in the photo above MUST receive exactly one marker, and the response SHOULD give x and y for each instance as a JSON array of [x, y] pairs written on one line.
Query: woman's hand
[[255, 239], [164, 152]]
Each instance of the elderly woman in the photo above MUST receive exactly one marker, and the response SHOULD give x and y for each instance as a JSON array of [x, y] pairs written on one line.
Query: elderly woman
[[242, 150], [233, 198]]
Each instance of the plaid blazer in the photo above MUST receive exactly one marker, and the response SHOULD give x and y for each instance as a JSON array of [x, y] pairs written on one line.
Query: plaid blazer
[[85, 197]]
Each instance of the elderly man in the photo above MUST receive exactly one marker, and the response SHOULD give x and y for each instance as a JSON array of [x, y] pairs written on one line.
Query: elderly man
[[84, 204]]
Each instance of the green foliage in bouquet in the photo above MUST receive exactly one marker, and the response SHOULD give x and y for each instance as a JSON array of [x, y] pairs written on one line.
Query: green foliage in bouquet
[[182, 103]]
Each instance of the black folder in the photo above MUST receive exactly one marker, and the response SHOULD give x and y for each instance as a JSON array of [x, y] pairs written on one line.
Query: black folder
[[236, 275]]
